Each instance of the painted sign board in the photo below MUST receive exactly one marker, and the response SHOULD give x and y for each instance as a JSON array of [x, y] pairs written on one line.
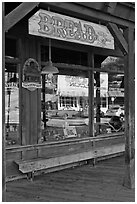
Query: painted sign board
[[31, 75], [52, 25]]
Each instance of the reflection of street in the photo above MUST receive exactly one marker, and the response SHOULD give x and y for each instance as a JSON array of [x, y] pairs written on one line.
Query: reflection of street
[[75, 122]]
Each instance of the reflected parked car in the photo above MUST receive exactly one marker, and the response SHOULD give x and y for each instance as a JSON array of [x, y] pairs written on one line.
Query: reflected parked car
[[115, 111], [86, 109]]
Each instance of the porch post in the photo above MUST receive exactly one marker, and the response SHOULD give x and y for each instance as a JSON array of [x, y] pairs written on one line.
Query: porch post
[[129, 84], [98, 102], [3, 112], [91, 94]]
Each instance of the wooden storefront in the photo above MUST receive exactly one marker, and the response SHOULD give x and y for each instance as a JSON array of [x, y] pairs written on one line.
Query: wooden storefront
[[30, 155]]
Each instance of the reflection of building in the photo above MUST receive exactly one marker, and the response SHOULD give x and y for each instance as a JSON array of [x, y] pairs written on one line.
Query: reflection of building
[[116, 89], [73, 92]]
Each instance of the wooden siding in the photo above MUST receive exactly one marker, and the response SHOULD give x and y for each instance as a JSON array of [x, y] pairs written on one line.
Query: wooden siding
[[70, 152]]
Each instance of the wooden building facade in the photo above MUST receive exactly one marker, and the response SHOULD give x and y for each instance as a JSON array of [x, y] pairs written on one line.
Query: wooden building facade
[[30, 156]]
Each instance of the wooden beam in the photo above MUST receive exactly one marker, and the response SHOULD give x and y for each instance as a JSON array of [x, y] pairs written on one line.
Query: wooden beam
[[84, 48], [85, 12], [129, 84], [64, 142], [118, 36], [124, 10], [110, 7], [18, 13], [83, 68]]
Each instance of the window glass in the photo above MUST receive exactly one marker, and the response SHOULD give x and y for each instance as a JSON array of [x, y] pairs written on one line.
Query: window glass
[[67, 101], [11, 106], [109, 97], [68, 119], [71, 112]]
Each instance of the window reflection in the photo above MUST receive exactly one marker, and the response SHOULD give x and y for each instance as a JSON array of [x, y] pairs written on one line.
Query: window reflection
[[67, 103], [71, 112], [11, 107], [68, 119]]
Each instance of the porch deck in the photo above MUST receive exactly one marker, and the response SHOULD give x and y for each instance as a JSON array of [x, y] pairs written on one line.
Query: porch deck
[[101, 183]]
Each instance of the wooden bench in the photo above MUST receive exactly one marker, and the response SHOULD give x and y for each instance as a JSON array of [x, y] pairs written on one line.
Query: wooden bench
[[31, 166]]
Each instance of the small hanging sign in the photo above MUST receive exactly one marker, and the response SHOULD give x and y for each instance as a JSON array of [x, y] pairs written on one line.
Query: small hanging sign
[[31, 75]]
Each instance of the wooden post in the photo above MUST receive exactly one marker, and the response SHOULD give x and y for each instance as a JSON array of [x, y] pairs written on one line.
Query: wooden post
[[91, 100], [43, 100], [3, 112], [98, 101], [91, 95], [129, 84], [31, 104], [20, 65]]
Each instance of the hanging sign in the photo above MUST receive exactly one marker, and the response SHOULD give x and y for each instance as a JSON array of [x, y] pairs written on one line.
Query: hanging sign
[[48, 24], [31, 75]]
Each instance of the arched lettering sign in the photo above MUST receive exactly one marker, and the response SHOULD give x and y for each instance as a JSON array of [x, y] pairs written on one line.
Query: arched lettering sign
[[48, 24], [31, 75]]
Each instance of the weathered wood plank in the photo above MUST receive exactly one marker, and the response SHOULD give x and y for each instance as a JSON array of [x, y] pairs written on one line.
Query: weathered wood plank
[[33, 113], [39, 164], [66, 149], [3, 111], [84, 68], [62, 143], [36, 28], [25, 117], [110, 7], [82, 184], [81, 11], [18, 13], [129, 85], [118, 36], [122, 10]]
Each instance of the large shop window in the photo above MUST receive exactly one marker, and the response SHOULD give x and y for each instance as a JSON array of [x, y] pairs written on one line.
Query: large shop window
[[66, 106], [109, 98], [11, 94], [68, 119], [11, 105]]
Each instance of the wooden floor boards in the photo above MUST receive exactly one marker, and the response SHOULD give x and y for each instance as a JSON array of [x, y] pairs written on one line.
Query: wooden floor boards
[[101, 183]]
